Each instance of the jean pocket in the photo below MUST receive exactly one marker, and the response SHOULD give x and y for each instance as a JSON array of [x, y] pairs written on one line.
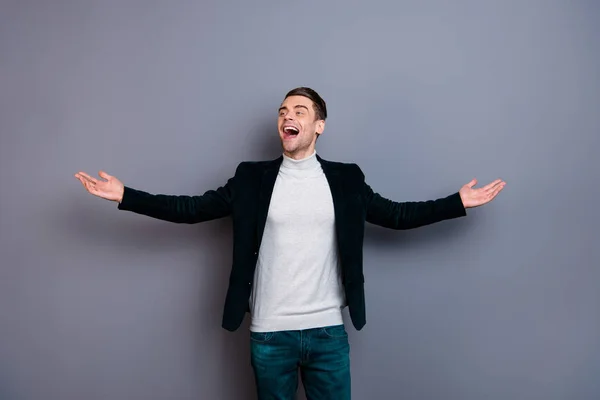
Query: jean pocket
[[335, 331], [261, 337]]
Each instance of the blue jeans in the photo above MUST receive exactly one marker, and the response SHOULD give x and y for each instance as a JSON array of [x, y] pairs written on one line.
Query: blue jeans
[[321, 354]]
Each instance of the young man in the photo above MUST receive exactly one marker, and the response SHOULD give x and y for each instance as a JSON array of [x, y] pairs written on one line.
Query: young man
[[298, 225]]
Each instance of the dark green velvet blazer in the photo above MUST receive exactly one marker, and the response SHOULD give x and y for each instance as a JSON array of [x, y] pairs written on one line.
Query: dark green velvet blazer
[[245, 198]]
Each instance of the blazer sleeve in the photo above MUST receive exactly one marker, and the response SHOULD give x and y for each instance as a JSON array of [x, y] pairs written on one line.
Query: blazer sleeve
[[211, 205], [412, 214]]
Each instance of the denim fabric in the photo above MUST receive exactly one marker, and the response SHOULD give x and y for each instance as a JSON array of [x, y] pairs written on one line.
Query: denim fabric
[[322, 355]]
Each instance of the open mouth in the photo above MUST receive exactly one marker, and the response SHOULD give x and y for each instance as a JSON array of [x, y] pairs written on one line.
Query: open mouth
[[291, 131]]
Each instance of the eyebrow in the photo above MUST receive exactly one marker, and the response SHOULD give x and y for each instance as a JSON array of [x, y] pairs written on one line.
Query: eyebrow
[[298, 106]]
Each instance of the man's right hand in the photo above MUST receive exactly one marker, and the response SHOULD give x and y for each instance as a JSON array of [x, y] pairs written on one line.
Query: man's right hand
[[110, 188]]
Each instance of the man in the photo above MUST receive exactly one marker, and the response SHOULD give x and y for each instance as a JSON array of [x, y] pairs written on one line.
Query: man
[[298, 224]]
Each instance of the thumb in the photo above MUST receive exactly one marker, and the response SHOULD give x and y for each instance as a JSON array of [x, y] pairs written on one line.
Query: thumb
[[472, 183], [104, 175]]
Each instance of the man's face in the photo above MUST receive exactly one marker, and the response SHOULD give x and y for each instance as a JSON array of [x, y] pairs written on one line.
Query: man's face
[[298, 126]]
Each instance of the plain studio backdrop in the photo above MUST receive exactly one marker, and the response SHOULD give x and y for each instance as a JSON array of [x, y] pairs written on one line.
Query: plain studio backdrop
[[169, 96]]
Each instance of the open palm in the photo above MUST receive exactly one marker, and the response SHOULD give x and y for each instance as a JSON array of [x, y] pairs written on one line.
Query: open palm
[[109, 187], [478, 197]]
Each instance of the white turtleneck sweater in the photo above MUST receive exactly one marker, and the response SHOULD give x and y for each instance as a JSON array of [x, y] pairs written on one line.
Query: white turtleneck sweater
[[297, 282]]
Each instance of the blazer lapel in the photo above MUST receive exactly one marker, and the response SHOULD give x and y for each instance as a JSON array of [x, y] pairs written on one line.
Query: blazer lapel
[[269, 175], [334, 178]]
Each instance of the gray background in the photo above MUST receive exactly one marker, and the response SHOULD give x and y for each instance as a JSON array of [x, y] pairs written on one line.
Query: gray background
[[170, 95]]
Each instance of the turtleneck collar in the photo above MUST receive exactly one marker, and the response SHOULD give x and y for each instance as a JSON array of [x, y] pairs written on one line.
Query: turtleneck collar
[[304, 163], [308, 166]]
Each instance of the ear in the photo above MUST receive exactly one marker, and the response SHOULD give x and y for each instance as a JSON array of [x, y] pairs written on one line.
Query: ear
[[320, 126]]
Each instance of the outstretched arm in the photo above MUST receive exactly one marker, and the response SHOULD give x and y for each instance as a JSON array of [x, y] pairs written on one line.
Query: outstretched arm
[[414, 214], [211, 205]]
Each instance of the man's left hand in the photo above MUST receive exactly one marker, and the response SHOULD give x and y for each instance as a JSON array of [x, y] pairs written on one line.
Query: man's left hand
[[478, 197]]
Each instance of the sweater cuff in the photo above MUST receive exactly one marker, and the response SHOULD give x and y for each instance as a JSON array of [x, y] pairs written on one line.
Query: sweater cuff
[[129, 199], [456, 207]]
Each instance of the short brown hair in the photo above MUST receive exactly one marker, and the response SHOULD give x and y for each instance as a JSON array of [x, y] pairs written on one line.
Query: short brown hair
[[318, 102]]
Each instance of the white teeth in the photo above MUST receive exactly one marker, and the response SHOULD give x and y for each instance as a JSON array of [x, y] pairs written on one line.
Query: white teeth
[[289, 129]]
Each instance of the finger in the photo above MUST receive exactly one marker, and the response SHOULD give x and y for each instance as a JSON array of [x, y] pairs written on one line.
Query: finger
[[472, 183], [498, 189], [492, 185], [88, 177], [493, 193], [104, 175], [90, 187], [82, 180]]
